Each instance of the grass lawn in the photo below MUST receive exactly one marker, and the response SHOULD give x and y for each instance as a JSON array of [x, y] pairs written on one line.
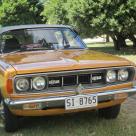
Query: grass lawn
[[88, 123], [128, 53]]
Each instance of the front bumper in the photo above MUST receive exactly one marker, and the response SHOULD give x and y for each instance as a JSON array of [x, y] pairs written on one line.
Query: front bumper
[[59, 102]]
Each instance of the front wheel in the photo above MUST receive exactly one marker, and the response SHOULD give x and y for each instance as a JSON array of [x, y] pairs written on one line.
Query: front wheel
[[10, 121], [110, 112]]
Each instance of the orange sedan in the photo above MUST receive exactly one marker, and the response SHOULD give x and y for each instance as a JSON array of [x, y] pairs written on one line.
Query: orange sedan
[[48, 70]]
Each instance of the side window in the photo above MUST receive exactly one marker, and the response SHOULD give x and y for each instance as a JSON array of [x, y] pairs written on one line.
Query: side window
[[6, 36], [59, 38], [3, 40], [71, 37], [9, 43]]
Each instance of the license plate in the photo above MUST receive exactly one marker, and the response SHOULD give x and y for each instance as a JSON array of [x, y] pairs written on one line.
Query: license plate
[[81, 101]]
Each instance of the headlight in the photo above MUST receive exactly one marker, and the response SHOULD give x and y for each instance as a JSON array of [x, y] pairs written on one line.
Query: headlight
[[39, 83], [22, 84], [123, 75], [111, 76]]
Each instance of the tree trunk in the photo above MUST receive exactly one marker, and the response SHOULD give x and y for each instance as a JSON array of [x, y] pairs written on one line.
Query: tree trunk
[[107, 38], [116, 45], [119, 41], [133, 39], [114, 38]]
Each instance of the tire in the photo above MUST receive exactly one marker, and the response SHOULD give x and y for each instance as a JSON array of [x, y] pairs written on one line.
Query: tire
[[10, 121], [110, 112]]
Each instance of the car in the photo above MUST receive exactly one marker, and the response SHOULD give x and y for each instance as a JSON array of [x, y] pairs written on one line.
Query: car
[[48, 70]]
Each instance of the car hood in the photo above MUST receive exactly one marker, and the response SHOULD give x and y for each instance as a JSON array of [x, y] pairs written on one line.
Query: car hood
[[58, 60]]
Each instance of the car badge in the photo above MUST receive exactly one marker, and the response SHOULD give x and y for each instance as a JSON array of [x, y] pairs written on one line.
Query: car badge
[[79, 89]]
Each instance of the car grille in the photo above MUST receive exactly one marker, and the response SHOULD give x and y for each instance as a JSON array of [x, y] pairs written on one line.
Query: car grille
[[64, 81], [86, 79]]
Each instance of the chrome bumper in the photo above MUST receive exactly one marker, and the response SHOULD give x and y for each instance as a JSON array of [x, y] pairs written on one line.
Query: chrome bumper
[[59, 102]]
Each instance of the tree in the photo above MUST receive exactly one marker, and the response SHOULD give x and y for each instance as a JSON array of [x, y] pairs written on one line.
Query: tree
[[116, 18], [20, 12], [55, 12]]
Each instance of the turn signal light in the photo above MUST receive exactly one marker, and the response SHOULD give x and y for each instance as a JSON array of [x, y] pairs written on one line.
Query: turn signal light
[[9, 86]]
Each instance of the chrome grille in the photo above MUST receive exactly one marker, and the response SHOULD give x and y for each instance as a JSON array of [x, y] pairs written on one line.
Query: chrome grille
[[69, 80], [76, 79], [84, 78], [64, 81]]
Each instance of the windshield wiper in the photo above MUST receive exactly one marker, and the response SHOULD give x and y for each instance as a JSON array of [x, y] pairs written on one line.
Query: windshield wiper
[[11, 52], [74, 48], [34, 49]]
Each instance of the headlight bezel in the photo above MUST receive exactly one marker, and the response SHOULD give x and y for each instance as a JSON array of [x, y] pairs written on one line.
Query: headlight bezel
[[46, 75], [131, 73], [34, 85], [17, 87], [115, 76], [120, 77]]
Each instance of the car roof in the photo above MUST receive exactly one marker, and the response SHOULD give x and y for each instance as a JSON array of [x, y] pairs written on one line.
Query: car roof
[[17, 27]]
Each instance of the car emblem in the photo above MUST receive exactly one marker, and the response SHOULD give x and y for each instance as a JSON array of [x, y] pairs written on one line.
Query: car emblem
[[79, 89], [53, 82]]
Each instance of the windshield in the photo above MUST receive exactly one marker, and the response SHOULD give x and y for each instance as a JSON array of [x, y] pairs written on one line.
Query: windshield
[[40, 39]]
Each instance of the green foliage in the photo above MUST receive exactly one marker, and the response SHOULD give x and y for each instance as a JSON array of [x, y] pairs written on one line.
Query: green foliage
[[116, 18], [93, 16], [55, 11], [20, 12]]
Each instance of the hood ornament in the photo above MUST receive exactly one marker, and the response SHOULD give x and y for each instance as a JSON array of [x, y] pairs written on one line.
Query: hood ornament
[[79, 89]]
